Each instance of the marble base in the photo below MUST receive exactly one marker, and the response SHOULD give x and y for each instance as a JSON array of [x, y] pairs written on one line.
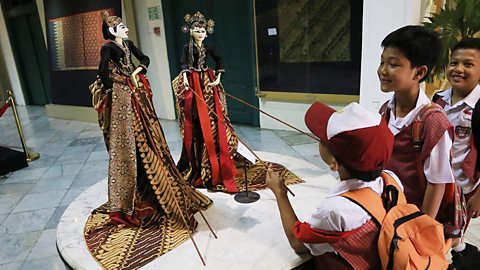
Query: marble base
[[250, 236]]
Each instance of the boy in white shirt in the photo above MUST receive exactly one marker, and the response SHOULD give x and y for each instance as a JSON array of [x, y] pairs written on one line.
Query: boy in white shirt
[[340, 233], [459, 103]]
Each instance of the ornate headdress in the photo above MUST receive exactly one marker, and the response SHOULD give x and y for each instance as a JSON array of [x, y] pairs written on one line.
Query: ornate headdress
[[111, 21], [197, 20]]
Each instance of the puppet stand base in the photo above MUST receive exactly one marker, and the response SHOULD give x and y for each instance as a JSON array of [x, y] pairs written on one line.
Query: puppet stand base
[[247, 197]]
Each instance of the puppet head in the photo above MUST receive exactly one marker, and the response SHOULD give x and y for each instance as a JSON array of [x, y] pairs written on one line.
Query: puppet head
[[113, 27], [198, 21]]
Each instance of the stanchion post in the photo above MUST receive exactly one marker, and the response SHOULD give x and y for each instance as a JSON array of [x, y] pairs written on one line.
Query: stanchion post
[[31, 156]]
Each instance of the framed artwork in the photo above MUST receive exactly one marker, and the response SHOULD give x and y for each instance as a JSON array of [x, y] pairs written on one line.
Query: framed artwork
[[309, 46], [76, 40]]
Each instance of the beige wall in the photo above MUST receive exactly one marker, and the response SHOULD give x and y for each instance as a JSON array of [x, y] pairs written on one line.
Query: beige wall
[[155, 46]]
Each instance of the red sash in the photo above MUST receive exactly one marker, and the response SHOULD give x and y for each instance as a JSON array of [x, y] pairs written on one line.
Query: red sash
[[224, 171], [204, 118], [188, 130], [226, 163], [307, 234]]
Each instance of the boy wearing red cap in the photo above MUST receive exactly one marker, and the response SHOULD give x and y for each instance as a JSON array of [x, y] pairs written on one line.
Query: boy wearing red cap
[[356, 144]]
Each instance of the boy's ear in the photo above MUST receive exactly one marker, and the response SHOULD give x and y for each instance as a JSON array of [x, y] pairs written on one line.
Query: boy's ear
[[334, 165], [421, 72]]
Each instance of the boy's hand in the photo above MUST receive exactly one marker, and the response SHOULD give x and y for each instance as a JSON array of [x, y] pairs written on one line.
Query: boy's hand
[[275, 183], [473, 205]]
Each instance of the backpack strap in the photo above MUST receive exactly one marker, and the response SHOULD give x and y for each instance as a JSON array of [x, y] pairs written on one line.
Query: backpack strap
[[438, 99], [371, 202], [385, 111], [417, 129]]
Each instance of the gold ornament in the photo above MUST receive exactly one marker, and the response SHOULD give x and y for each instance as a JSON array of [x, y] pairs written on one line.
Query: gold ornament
[[111, 21], [197, 20]]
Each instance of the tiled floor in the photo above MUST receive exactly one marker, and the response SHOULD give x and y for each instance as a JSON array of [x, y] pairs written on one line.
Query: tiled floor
[[73, 157]]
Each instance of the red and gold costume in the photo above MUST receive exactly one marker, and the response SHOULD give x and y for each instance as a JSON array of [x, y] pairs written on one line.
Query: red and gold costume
[[150, 207]]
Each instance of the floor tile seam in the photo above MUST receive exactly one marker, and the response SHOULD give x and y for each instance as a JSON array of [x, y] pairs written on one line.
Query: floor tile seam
[[54, 207]]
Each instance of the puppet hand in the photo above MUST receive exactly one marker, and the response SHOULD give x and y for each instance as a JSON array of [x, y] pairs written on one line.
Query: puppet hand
[[185, 80], [215, 83], [473, 205], [134, 76], [274, 182]]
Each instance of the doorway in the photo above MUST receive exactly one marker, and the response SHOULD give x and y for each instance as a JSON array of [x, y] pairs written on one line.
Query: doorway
[[29, 49]]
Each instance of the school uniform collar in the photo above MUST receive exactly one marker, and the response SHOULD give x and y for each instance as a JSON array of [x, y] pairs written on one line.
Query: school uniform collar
[[470, 100], [473, 97], [421, 100], [446, 95], [401, 123], [353, 184]]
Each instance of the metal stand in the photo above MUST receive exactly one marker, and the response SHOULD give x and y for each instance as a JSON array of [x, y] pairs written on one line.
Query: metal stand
[[247, 196], [30, 155]]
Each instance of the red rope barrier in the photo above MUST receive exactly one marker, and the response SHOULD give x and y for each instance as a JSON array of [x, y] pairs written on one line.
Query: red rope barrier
[[3, 109]]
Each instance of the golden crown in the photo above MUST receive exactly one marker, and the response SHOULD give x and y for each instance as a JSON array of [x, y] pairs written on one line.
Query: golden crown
[[197, 20], [111, 21]]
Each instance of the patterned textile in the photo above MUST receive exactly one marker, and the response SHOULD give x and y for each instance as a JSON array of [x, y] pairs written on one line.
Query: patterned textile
[[143, 182], [77, 40], [120, 247], [122, 167], [314, 30], [257, 175], [197, 170]]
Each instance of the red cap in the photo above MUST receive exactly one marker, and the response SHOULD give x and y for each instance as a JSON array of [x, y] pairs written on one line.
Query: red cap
[[358, 138]]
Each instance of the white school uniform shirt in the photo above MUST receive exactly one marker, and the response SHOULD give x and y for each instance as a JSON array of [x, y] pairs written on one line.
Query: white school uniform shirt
[[460, 115], [437, 167], [339, 214]]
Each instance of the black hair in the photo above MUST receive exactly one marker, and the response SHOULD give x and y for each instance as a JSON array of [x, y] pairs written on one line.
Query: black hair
[[364, 176], [106, 33], [420, 45], [360, 175], [467, 43]]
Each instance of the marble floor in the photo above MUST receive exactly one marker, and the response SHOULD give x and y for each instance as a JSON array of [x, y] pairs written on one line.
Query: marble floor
[[73, 158]]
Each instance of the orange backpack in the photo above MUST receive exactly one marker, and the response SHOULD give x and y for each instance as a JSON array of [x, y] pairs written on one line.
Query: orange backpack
[[408, 239]]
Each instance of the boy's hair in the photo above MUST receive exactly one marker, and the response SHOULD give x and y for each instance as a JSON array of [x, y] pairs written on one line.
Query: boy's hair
[[364, 176], [420, 45], [467, 43]]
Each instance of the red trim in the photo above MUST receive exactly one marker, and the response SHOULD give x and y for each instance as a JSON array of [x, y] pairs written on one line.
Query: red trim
[[122, 218], [3, 109], [188, 125], [306, 234], [226, 163], [146, 84]]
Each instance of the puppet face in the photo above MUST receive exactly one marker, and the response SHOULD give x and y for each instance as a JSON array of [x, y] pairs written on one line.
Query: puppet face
[[199, 34], [121, 31]]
